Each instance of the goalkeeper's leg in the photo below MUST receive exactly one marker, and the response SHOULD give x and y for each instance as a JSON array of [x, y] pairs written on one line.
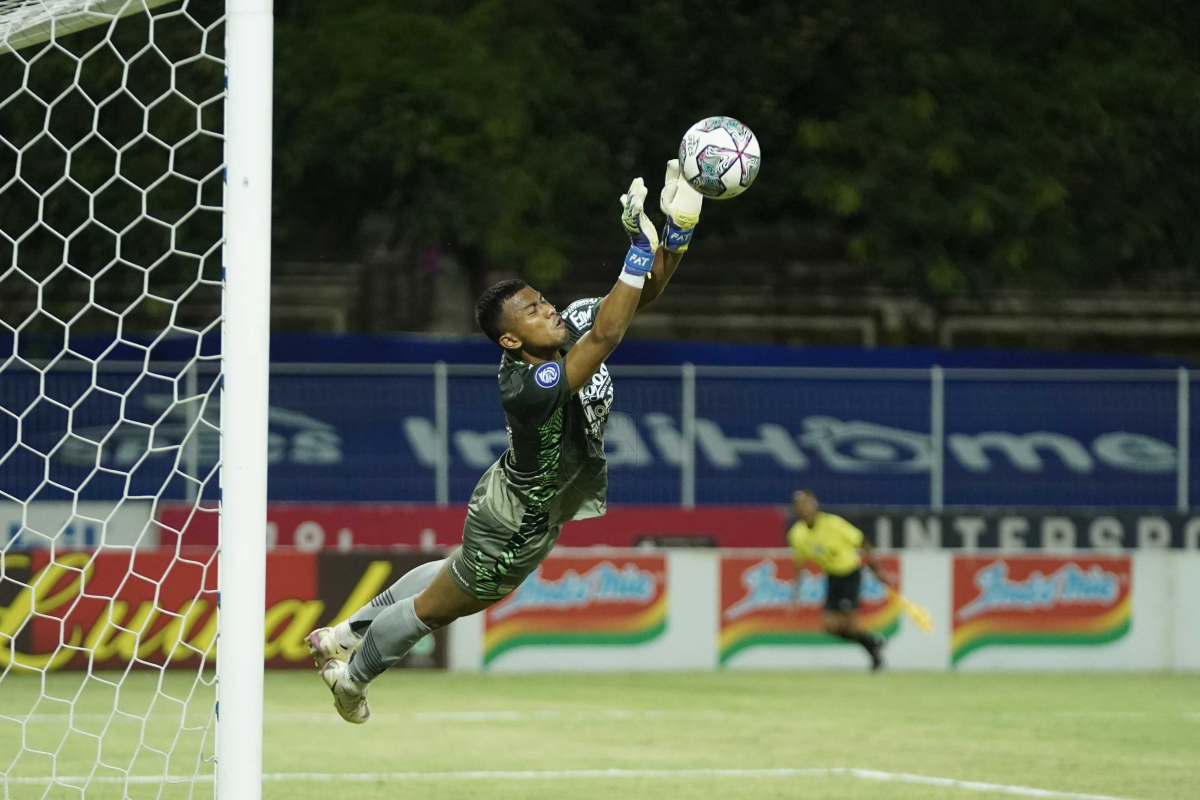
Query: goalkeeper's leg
[[340, 641], [486, 569], [401, 625], [466, 583], [390, 636]]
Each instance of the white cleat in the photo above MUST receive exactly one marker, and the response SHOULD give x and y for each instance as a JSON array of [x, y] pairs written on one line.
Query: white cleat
[[349, 696], [323, 644]]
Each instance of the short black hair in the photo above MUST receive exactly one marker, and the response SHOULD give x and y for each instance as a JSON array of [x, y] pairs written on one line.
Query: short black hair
[[489, 308]]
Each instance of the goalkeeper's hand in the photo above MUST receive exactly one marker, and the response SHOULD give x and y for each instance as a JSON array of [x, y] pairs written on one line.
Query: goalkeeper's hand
[[681, 203], [642, 236]]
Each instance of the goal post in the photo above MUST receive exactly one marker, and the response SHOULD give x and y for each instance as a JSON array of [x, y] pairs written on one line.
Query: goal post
[[246, 369], [135, 230]]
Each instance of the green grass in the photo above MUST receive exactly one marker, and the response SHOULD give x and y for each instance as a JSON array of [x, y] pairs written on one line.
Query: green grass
[[1119, 735]]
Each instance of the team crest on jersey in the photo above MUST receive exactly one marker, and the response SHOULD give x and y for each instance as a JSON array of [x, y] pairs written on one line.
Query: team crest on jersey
[[546, 375]]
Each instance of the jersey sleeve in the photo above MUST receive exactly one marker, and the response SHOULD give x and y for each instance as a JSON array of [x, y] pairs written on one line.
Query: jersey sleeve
[[580, 316], [532, 392], [796, 540], [852, 535]]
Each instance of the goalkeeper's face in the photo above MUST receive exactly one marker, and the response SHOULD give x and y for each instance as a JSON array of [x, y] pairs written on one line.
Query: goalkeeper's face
[[533, 324]]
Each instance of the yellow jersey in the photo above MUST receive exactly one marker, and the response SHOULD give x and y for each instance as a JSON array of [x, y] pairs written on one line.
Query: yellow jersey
[[831, 543]]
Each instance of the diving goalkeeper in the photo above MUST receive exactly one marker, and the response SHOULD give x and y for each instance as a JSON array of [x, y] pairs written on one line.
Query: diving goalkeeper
[[839, 550], [556, 393]]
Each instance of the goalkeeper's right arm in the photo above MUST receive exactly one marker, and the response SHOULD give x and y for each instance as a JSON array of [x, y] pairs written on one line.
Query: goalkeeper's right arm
[[619, 305]]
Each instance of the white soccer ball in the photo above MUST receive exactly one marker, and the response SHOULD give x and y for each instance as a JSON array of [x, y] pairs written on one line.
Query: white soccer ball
[[719, 157]]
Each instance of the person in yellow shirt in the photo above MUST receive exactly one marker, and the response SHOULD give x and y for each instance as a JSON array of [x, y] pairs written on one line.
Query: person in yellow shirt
[[839, 550]]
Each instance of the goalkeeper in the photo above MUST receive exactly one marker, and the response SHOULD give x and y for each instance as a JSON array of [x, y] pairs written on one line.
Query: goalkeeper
[[834, 545], [556, 393]]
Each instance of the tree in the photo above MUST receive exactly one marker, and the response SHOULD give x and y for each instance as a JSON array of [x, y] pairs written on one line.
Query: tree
[[943, 146]]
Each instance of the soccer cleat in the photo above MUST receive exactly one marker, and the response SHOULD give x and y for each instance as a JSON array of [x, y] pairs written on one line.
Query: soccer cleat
[[349, 696], [323, 644]]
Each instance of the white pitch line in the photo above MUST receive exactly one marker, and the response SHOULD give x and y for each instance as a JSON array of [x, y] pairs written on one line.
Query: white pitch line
[[575, 774], [554, 714], [1102, 714], [975, 786], [419, 716]]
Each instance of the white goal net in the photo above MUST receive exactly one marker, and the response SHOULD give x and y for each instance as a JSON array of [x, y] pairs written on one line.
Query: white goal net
[[112, 196]]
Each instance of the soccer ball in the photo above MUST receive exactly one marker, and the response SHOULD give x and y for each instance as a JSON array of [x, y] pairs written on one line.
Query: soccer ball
[[719, 157]]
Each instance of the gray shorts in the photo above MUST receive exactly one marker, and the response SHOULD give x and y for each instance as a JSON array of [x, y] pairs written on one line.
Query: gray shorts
[[494, 560]]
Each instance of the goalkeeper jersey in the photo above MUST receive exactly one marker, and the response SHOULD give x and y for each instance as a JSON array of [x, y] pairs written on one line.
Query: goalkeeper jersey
[[554, 469]]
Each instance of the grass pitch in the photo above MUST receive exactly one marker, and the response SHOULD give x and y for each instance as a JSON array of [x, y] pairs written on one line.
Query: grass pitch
[[1120, 736]]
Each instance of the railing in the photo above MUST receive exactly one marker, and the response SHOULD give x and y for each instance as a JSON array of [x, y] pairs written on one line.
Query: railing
[[678, 435], [1084, 437]]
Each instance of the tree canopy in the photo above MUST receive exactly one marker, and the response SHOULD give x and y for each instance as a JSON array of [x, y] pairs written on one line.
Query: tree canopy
[[941, 145]]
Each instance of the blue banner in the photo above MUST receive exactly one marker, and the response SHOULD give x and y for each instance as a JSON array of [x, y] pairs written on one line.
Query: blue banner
[[374, 437]]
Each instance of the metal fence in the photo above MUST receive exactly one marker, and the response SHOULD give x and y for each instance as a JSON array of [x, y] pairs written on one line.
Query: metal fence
[[689, 435], [695, 434]]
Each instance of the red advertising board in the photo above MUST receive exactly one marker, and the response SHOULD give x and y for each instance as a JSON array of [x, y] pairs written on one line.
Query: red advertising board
[[157, 607], [318, 526], [581, 601], [758, 609], [1039, 601]]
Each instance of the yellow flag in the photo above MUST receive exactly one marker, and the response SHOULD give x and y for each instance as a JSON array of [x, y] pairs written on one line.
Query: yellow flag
[[919, 615]]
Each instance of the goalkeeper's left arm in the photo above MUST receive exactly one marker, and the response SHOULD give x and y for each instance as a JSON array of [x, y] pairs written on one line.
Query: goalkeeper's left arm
[[681, 203]]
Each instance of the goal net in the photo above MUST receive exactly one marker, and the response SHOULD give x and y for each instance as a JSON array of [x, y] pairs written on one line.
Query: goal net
[[113, 249]]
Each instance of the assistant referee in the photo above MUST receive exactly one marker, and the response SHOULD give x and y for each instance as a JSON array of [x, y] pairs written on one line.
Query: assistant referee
[[839, 550]]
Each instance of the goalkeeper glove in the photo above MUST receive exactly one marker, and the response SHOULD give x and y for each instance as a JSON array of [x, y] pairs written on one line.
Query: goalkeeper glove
[[681, 203], [642, 236]]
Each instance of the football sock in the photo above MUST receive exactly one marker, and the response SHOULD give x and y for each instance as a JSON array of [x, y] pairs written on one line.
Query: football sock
[[392, 634], [410, 584], [867, 640]]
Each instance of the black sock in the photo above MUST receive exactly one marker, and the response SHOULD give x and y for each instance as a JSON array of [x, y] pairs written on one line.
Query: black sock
[[867, 640]]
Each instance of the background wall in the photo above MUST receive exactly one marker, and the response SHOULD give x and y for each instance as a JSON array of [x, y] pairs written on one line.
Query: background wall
[[733, 610]]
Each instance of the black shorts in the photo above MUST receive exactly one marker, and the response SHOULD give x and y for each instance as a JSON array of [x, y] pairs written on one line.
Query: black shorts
[[842, 591]]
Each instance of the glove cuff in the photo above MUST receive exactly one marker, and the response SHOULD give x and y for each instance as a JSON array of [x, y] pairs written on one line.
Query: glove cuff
[[676, 238], [638, 261]]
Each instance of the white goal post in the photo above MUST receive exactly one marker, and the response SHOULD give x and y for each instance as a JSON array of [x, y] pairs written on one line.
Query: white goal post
[[135, 220], [246, 368]]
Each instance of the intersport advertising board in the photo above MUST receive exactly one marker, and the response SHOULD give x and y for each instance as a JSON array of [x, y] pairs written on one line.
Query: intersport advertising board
[[373, 437]]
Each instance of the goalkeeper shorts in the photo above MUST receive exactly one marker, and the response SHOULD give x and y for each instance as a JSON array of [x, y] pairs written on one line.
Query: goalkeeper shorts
[[494, 560]]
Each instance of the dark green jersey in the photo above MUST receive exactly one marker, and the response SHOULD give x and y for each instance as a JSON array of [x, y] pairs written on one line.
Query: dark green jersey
[[554, 469]]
